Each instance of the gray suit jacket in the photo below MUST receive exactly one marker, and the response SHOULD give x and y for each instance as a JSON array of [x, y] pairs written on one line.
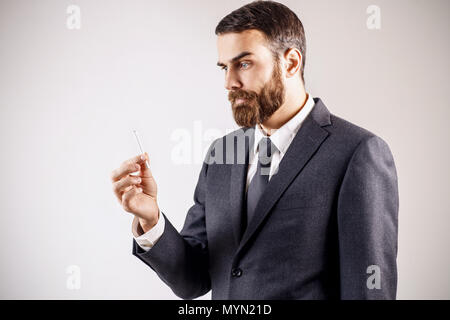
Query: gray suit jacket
[[325, 228]]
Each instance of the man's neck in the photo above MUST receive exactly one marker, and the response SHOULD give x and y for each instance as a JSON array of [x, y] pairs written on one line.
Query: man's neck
[[285, 113]]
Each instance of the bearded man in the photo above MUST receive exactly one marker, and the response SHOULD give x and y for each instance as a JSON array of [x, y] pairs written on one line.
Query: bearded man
[[296, 204]]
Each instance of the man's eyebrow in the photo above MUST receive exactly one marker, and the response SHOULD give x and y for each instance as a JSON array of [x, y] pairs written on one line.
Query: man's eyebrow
[[239, 56]]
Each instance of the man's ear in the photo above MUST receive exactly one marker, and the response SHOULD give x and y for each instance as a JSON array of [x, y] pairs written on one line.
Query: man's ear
[[293, 58]]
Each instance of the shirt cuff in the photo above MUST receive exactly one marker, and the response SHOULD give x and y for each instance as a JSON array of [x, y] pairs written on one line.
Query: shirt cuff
[[147, 240]]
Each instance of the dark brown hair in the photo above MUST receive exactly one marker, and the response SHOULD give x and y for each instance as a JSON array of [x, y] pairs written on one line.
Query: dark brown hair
[[280, 25]]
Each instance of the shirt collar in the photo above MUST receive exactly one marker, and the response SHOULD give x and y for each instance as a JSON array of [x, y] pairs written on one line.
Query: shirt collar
[[283, 136]]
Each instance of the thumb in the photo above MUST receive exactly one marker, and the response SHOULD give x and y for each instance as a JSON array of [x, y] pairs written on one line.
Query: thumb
[[145, 168], [148, 183]]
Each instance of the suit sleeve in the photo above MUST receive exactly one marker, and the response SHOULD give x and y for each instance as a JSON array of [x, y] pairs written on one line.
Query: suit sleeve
[[367, 217], [181, 259]]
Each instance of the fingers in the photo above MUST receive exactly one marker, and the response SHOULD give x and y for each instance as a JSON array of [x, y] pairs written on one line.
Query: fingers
[[125, 184], [129, 166]]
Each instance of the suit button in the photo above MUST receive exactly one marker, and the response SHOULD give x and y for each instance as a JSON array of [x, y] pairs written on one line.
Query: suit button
[[236, 272]]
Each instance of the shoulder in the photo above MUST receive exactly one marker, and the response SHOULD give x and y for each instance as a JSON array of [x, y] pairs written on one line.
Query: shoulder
[[230, 148], [345, 137], [360, 142], [348, 130], [344, 131]]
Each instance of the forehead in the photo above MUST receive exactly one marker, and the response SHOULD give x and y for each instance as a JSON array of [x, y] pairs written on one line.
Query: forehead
[[231, 44]]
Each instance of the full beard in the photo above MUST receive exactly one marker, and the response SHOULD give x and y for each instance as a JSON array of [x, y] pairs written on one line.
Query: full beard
[[257, 108]]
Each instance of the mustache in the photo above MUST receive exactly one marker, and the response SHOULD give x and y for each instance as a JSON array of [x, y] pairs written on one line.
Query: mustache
[[241, 94]]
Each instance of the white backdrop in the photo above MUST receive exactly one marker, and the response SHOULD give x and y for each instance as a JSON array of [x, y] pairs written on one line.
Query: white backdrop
[[70, 98]]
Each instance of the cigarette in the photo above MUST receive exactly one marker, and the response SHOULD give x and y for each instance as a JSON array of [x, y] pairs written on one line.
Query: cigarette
[[140, 147]]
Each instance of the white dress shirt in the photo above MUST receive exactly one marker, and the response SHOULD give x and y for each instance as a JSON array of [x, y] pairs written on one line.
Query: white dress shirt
[[281, 138]]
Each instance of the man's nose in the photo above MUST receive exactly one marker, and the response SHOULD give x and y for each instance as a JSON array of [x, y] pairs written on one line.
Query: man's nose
[[232, 82]]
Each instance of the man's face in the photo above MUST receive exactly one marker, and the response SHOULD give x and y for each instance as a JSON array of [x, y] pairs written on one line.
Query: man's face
[[252, 76]]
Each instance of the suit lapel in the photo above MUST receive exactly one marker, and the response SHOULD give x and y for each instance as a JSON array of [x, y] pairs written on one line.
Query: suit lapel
[[302, 148]]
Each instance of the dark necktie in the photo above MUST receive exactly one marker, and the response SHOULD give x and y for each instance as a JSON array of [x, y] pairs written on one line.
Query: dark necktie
[[261, 177]]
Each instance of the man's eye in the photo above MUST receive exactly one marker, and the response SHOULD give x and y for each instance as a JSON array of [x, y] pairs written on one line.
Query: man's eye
[[245, 65], [224, 68]]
